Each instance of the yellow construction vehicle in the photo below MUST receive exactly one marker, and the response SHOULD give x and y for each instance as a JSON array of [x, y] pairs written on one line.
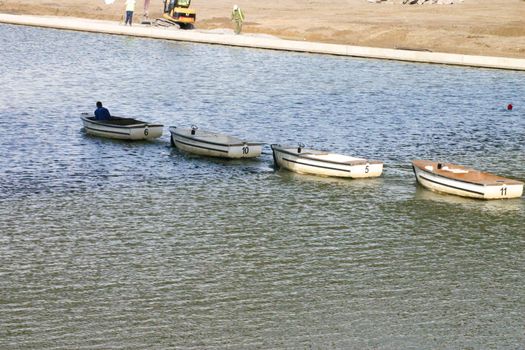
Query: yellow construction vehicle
[[177, 12]]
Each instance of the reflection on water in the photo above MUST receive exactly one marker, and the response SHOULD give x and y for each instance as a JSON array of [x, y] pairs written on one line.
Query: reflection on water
[[113, 244], [340, 184]]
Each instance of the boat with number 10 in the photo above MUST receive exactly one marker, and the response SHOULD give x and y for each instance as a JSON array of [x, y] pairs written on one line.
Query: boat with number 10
[[212, 144]]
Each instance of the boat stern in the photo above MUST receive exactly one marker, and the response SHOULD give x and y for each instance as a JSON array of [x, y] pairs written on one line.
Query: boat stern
[[371, 168], [504, 191]]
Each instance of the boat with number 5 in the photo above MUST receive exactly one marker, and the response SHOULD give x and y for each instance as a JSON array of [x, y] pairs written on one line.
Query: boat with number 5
[[462, 181], [213, 144], [121, 128], [310, 161]]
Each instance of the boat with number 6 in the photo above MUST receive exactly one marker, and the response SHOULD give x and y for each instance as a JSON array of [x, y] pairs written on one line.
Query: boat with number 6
[[121, 128], [462, 181], [213, 144], [310, 161]]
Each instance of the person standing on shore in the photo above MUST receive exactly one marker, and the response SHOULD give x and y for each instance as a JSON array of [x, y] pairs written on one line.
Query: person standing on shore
[[238, 18], [130, 8]]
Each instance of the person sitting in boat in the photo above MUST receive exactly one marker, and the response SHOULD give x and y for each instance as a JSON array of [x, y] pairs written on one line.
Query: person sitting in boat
[[101, 113]]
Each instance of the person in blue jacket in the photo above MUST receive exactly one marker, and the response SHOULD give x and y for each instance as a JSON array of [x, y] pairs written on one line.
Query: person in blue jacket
[[101, 113]]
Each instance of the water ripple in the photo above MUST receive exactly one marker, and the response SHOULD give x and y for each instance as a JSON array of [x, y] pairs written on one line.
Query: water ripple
[[117, 245]]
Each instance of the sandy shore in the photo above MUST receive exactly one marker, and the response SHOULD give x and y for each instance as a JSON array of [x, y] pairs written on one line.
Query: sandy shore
[[472, 27]]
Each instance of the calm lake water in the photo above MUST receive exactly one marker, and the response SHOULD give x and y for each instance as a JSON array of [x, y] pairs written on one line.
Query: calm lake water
[[119, 245]]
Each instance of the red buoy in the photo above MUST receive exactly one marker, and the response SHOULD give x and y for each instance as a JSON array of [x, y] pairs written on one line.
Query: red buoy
[[509, 107]]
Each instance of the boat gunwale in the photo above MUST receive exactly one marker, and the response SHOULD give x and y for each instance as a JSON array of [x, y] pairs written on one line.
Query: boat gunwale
[[106, 131], [202, 147], [317, 166], [216, 143], [140, 125]]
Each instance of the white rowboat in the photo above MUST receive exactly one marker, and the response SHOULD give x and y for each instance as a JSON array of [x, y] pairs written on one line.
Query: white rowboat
[[213, 144], [466, 182], [309, 161], [121, 128]]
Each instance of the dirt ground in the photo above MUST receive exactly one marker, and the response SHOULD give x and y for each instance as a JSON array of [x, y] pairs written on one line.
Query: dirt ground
[[476, 27]]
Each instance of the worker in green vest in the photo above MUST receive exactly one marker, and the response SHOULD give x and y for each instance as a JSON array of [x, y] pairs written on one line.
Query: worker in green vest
[[238, 18]]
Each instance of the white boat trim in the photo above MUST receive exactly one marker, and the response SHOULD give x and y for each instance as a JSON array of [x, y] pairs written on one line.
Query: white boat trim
[[203, 147], [315, 165], [306, 155], [448, 185]]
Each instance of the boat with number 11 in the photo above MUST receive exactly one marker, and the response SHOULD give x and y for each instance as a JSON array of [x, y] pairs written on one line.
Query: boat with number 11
[[466, 182]]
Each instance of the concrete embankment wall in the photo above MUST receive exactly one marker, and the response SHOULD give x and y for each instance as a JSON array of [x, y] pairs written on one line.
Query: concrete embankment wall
[[262, 42]]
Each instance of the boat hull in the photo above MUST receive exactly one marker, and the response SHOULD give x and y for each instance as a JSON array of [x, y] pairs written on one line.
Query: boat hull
[[306, 163], [137, 131], [210, 144], [438, 183]]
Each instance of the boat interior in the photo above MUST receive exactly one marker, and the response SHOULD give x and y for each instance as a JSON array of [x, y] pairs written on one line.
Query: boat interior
[[212, 137], [120, 121]]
